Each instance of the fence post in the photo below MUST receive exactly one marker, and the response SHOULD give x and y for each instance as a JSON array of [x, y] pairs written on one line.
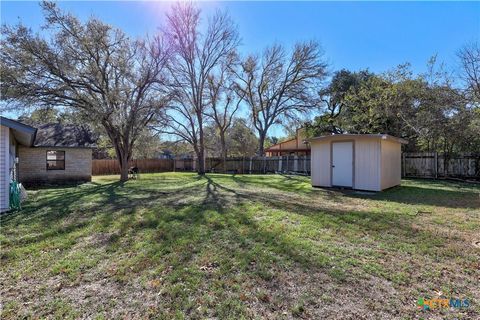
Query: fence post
[[295, 163], [250, 169], [280, 158], [404, 167], [436, 164], [264, 164]]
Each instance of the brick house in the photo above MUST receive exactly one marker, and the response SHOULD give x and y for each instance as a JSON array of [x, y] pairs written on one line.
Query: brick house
[[296, 146], [46, 154]]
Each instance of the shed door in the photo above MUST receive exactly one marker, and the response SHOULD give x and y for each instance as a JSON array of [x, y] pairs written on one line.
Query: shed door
[[342, 164]]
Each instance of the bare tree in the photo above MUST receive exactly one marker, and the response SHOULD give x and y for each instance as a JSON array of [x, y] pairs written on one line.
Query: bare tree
[[223, 103], [278, 86], [196, 56], [90, 67], [469, 57]]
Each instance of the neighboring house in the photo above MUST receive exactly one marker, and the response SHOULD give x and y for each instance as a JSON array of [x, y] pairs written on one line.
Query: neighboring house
[[296, 146], [48, 154]]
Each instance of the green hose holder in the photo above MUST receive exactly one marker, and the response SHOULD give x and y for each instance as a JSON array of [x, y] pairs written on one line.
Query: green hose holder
[[15, 196]]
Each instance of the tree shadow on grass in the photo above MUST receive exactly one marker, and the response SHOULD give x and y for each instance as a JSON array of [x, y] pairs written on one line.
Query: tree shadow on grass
[[300, 205], [65, 210], [432, 194], [415, 192], [249, 239], [394, 226], [283, 182], [173, 232]]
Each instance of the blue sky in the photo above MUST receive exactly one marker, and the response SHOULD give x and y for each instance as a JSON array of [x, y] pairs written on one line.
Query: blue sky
[[354, 35]]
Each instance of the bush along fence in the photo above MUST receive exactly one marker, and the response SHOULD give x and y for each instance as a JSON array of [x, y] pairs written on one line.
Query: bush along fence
[[422, 165]]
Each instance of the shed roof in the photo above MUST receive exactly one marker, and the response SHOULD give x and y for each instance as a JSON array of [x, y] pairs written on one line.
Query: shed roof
[[353, 136], [24, 134], [64, 135]]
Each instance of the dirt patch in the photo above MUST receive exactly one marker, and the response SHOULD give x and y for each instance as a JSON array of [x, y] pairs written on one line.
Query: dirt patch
[[95, 240]]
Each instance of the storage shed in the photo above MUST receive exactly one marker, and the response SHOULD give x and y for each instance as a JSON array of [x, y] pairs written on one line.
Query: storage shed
[[359, 161]]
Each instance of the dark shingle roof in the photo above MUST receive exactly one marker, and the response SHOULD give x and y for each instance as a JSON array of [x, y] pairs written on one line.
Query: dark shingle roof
[[64, 135]]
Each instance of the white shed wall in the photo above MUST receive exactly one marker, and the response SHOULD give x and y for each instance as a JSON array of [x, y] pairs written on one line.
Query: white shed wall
[[391, 164], [367, 164], [4, 168], [320, 164], [377, 164]]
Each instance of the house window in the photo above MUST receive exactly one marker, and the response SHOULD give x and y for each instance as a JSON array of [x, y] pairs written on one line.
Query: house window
[[55, 160]]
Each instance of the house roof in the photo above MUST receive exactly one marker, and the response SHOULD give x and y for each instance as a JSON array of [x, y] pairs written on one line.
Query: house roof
[[24, 134], [64, 135], [273, 146], [348, 135], [299, 137], [278, 146]]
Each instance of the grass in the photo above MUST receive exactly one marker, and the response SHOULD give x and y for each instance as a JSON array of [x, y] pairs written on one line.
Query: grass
[[176, 246]]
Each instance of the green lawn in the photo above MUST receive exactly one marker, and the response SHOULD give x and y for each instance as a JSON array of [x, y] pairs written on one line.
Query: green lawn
[[175, 245]]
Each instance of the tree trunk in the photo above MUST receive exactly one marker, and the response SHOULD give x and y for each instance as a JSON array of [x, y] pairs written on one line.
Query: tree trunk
[[201, 151], [123, 160], [122, 150], [261, 143], [224, 151], [201, 162]]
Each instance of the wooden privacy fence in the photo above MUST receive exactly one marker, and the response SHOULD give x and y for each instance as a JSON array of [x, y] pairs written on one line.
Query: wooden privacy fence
[[441, 165], [286, 164], [423, 164], [111, 166]]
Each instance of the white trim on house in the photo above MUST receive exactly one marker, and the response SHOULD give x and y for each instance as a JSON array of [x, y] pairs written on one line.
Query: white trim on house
[[24, 134], [4, 168], [12, 133]]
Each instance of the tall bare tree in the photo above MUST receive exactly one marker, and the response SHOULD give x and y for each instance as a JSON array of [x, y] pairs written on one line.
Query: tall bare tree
[[278, 86], [196, 56], [223, 103], [91, 68], [469, 57]]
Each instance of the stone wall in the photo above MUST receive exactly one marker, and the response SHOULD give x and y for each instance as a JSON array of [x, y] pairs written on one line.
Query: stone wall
[[32, 167]]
